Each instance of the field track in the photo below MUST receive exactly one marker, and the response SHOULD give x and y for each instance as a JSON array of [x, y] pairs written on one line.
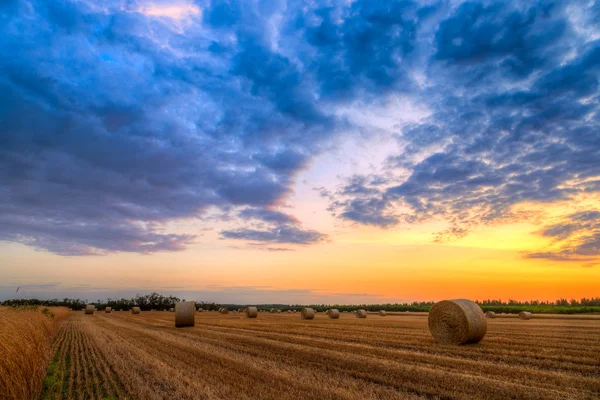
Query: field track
[[279, 356]]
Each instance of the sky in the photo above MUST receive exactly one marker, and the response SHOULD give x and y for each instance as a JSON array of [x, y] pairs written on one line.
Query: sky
[[314, 151]]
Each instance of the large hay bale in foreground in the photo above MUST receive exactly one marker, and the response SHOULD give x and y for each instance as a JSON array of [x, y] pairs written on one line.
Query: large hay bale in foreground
[[382, 313], [89, 309], [224, 311], [185, 314], [458, 321], [525, 315], [251, 312], [490, 314], [136, 310], [333, 313], [108, 310], [361, 314], [307, 313]]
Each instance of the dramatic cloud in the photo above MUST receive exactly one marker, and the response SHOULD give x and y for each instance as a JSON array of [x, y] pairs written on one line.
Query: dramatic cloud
[[513, 90], [119, 118]]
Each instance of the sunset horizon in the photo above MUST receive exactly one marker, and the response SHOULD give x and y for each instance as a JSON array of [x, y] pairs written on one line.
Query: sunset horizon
[[344, 153]]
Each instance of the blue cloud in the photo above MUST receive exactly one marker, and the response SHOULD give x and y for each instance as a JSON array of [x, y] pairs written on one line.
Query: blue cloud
[[113, 122], [283, 234], [513, 91]]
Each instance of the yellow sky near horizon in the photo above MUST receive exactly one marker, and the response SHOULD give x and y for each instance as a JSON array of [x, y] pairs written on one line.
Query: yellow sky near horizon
[[386, 266]]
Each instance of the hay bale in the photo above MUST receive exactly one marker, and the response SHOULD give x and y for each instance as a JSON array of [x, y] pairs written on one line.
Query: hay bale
[[108, 310], [171, 309], [153, 309], [251, 312], [200, 310], [136, 310], [361, 313], [289, 311], [490, 314], [273, 310], [382, 313], [525, 315], [89, 309], [307, 313], [458, 321], [224, 311], [333, 313], [185, 314]]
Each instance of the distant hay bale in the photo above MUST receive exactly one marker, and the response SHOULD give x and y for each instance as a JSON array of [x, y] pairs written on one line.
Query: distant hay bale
[[289, 311], [135, 310], [307, 313], [273, 310], [458, 321], [361, 314], [171, 309], [382, 313], [525, 315], [333, 313], [490, 314], [89, 309], [251, 312], [185, 313], [200, 310], [153, 309], [224, 311], [108, 310]]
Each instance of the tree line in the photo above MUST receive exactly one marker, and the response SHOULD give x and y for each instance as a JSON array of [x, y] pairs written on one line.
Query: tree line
[[146, 302], [156, 301]]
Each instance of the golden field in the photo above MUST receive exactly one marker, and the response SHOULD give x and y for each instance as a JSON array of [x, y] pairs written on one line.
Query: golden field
[[280, 356], [25, 339]]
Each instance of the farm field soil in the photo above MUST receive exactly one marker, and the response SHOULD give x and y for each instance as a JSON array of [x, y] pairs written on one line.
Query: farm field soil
[[280, 356]]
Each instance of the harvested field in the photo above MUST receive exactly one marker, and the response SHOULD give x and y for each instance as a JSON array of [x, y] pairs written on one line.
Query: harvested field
[[280, 356]]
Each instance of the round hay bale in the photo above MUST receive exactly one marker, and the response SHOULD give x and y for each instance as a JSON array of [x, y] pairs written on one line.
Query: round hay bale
[[307, 313], [108, 310], [136, 310], [171, 309], [333, 313], [200, 310], [458, 321], [382, 313], [89, 309], [273, 310], [361, 314], [224, 311], [525, 315], [490, 314], [289, 311], [251, 312], [185, 314]]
